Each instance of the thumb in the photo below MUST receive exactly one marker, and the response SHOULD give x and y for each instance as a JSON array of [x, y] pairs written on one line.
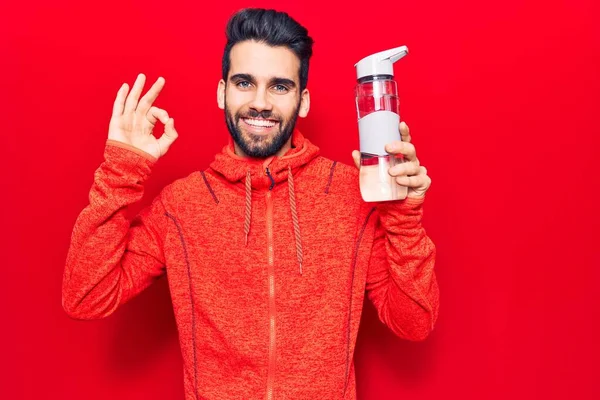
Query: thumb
[[356, 158], [168, 137]]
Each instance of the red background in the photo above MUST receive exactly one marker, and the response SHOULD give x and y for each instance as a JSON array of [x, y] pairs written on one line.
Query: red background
[[502, 100]]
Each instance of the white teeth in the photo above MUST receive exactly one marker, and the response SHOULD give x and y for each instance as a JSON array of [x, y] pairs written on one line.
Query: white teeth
[[259, 122]]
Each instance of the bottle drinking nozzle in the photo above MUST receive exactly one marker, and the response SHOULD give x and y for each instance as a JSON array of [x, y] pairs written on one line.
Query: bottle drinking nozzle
[[380, 63]]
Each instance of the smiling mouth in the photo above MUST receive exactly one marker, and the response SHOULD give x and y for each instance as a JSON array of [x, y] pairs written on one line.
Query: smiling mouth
[[260, 122], [259, 125]]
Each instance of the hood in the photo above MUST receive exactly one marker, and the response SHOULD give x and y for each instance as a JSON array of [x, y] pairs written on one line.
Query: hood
[[235, 168]]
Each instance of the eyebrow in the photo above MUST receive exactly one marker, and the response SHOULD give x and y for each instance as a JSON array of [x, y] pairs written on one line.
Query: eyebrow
[[273, 81]]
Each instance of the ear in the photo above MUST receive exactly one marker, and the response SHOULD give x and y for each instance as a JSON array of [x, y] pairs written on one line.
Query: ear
[[304, 103], [221, 94]]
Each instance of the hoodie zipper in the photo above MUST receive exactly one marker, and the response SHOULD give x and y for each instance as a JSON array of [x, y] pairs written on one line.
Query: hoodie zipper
[[270, 257]]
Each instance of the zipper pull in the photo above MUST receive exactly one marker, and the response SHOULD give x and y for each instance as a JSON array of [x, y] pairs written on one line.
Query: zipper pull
[[270, 177]]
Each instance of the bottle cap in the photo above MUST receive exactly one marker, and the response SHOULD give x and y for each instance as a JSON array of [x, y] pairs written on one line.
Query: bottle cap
[[380, 63]]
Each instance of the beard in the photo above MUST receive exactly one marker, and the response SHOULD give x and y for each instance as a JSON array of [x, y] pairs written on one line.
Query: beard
[[258, 146]]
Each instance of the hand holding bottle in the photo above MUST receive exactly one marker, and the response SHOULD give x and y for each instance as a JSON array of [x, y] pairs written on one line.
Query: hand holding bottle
[[408, 173]]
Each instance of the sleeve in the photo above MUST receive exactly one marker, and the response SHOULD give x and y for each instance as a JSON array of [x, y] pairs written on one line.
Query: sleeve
[[401, 280], [112, 258]]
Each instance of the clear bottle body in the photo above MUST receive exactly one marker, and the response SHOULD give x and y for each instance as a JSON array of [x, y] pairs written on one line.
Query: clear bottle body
[[377, 106], [379, 94]]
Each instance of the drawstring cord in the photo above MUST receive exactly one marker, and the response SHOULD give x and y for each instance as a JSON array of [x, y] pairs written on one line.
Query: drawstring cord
[[295, 218], [248, 206]]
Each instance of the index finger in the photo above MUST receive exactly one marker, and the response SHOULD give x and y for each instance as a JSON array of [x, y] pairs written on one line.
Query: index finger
[[148, 99], [404, 132]]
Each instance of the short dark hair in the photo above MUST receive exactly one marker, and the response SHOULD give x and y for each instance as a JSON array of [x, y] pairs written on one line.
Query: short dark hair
[[274, 28]]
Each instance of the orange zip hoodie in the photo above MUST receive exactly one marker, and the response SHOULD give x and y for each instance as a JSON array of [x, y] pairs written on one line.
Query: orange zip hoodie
[[268, 262]]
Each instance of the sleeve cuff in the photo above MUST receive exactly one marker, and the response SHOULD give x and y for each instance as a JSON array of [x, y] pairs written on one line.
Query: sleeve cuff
[[408, 206], [147, 156]]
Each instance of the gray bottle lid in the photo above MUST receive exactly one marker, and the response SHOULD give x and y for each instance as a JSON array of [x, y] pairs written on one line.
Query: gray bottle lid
[[380, 63]]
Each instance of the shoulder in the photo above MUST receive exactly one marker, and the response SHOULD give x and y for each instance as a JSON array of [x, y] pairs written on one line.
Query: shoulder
[[340, 170], [182, 189], [336, 176], [324, 166]]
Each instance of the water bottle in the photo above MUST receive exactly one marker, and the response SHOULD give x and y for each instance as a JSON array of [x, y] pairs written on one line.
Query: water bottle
[[378, 111]]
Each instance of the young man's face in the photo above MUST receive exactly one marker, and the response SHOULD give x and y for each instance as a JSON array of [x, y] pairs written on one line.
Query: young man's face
[[262, 98]]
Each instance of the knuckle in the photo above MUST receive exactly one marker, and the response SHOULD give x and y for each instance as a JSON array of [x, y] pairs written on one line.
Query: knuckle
[[398, 170]]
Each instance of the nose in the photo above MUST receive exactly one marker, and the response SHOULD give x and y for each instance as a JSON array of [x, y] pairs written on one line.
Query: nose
[[261, 101]]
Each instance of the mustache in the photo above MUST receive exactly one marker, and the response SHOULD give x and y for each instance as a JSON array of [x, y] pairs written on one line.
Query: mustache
[[265, 114]]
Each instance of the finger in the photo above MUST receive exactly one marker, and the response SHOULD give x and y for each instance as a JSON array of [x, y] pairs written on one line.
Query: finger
[[120, 100], [134, 95], [156, 114], [392, 148], [356, 158], [149, 98], [405, 132], [168, 137], [405, 169], [422, 181], [406, 149]]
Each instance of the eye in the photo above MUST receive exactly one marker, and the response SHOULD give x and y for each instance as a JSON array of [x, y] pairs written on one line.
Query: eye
[[281, 88], [243, 84]]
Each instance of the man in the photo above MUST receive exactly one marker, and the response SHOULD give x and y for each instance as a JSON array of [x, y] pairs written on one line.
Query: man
[[270, 251]]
